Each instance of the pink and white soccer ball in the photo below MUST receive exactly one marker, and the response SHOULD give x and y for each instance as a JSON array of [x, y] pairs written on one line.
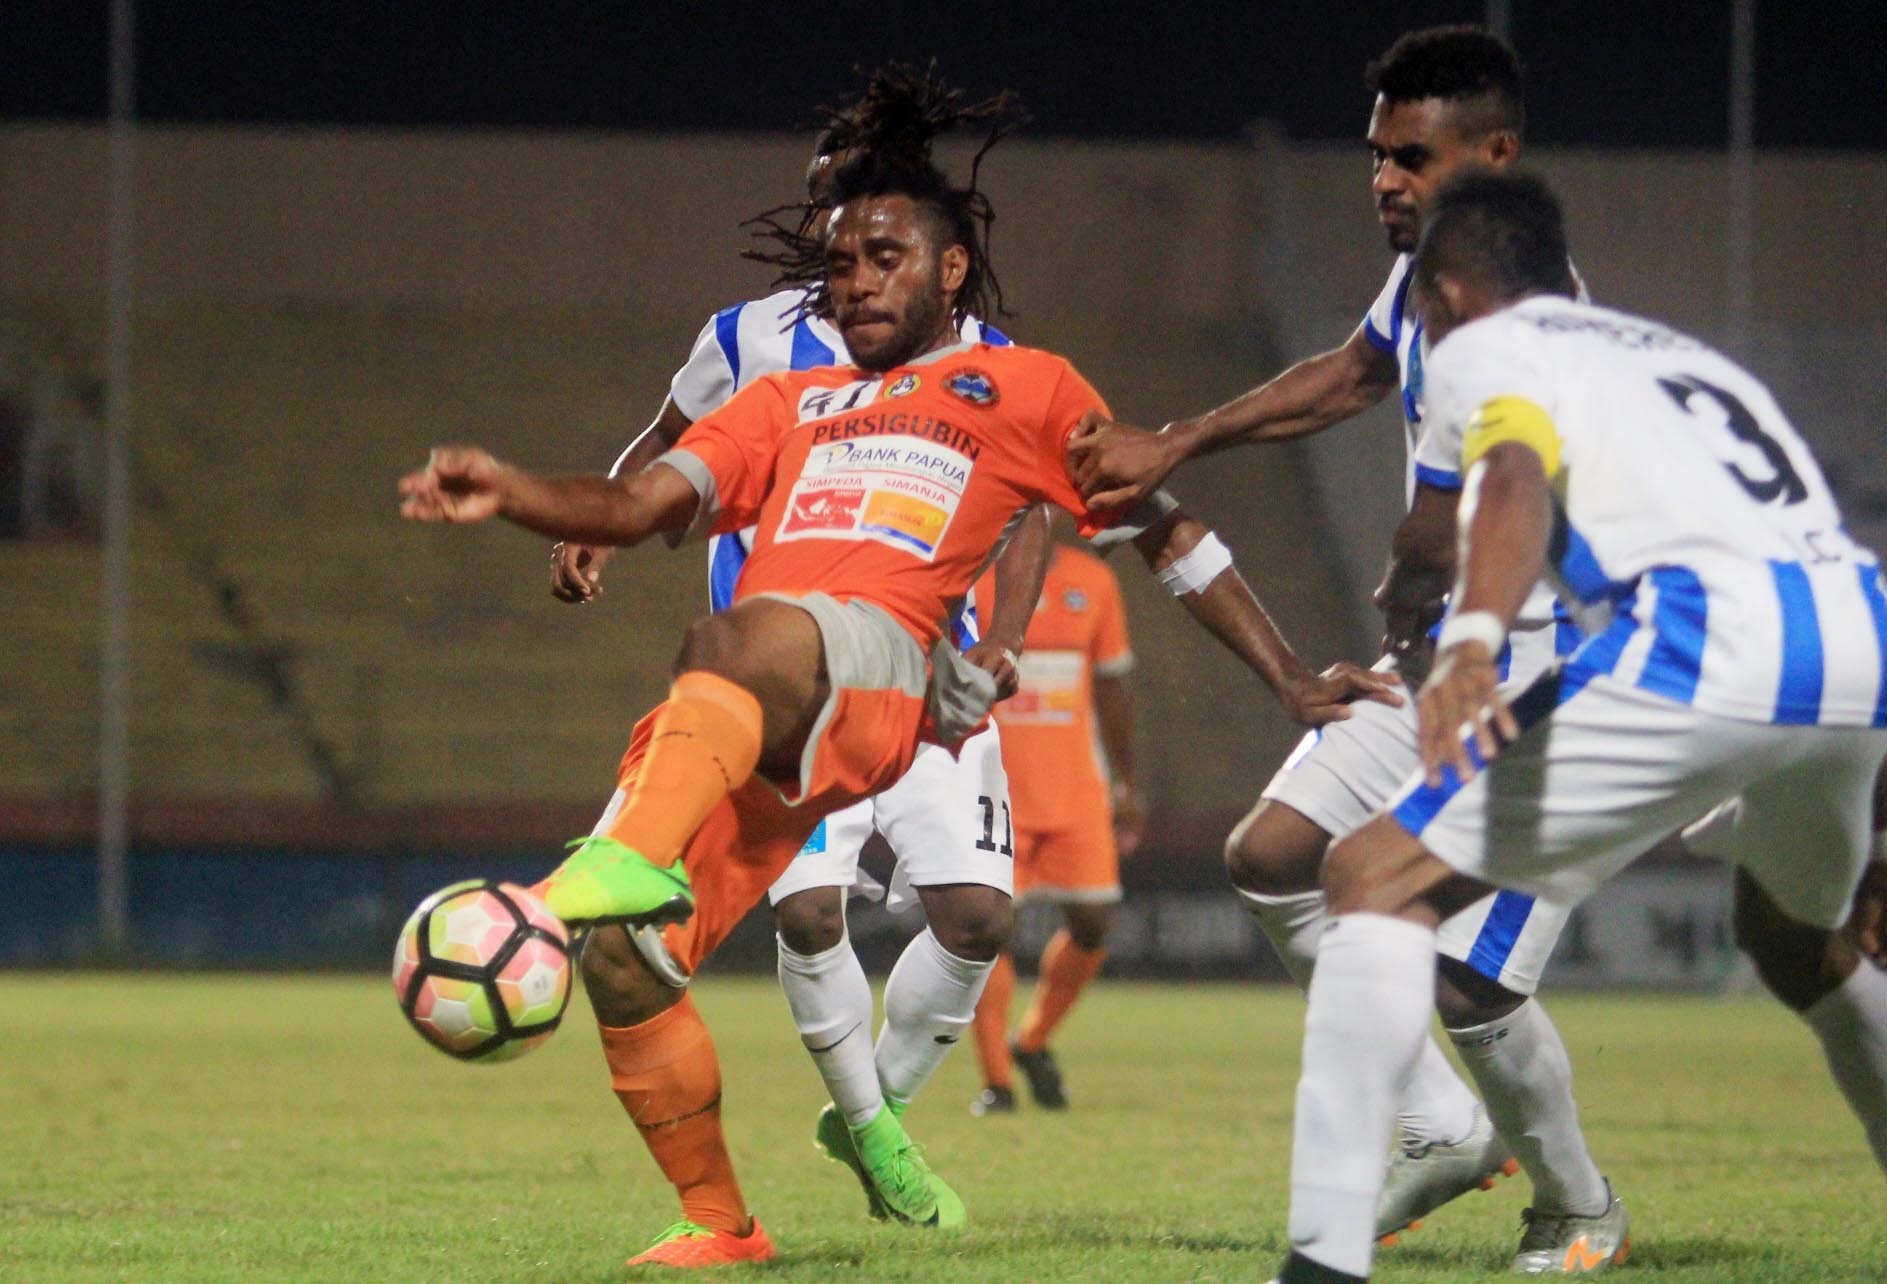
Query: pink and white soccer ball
[[482, 970]]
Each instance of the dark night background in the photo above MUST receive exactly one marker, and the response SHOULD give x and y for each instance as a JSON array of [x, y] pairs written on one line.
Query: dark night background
[[1199, 71]]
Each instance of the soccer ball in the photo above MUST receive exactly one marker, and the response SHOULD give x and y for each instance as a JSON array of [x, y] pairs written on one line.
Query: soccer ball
[[482, 970]]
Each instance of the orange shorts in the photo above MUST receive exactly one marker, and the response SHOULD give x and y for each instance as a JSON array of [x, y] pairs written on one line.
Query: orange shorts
[[862, 742], [1078, 865]]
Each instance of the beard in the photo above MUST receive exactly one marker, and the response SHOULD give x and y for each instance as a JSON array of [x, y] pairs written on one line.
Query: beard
[[913, 334]]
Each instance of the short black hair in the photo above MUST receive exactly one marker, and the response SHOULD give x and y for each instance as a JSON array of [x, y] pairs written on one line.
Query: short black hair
[[1458, 64], [888, 132], [1503, 229]]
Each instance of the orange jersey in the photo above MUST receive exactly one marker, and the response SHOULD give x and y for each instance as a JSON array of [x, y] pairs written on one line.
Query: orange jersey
[[1050, 747], [890, 487]]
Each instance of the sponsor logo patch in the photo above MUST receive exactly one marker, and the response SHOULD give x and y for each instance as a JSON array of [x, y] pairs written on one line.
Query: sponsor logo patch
[[1049, 691], [903, 386], [895, 489], [831, 509], [974, 387]]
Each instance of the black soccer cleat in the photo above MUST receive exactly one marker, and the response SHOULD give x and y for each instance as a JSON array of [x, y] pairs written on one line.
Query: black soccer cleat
[[1044, 1077], [1299, 1269], [993, 1101]]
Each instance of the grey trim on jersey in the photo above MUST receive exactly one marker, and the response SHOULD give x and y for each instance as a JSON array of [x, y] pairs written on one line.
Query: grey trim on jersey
[[865, 649], [938, 354], [961, 694], [1135, 522], [708, 506]]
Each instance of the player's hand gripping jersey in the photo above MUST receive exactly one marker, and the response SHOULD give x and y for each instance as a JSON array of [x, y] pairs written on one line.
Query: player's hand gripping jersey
[[892, 488], [1728, 585]]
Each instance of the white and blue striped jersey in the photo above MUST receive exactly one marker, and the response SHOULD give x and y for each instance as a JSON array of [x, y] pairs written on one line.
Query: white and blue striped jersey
[[1694, 532], [1544, 630], [762, 337], [1394, 327]]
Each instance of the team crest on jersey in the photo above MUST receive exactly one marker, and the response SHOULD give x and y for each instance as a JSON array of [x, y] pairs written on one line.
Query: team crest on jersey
[[902, 386], [974, 387], [1074, 599]]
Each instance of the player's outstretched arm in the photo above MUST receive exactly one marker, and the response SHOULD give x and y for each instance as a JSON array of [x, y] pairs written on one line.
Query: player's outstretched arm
[[1020, 569], [1506, 521], [1117, 466], [1414, 589], [576, 569], [465, 484], [1190, 561]]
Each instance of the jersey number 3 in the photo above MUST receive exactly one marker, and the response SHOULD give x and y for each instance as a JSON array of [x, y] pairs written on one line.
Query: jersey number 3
[[1783, 481]]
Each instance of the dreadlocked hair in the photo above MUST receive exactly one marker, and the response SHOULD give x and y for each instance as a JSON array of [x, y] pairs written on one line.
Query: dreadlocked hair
[[886, 138]]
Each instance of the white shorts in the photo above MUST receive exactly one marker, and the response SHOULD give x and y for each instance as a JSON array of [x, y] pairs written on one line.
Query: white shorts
[[946, 820], [1343, 773], [1603, 770]]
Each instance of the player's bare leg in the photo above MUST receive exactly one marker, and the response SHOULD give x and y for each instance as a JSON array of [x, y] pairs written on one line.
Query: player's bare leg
[[664, 1071], [829, 997], [870, 1088], [1370, 1003], [1451, 1143], [1275, 857], [1839, 993], [930, 998], [1520, 1064], [750, 682], [1072, 958]]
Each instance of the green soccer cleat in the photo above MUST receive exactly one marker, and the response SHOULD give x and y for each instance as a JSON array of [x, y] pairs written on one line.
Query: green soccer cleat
[[834, 1140], [891, 1166], [603, 881]]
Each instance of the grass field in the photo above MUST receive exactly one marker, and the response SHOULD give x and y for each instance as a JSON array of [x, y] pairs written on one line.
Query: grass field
[[270, 1128]]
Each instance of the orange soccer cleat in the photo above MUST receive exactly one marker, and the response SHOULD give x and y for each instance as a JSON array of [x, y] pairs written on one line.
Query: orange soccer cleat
[[686, 1244]]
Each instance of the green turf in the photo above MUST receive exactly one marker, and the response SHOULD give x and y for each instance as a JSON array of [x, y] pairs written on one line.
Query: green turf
[[206, 1129]]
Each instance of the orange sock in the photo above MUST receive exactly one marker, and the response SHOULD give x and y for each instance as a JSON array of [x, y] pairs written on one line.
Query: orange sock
[[991, 1023], [1066, 970], [703, 746], [667, 1077]]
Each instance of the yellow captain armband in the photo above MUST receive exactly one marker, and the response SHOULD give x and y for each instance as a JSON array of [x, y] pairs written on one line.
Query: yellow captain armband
[[1511, 419]]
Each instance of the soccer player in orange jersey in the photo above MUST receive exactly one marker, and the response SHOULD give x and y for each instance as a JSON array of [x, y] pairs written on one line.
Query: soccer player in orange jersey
[[878, 491], [1074, 816]]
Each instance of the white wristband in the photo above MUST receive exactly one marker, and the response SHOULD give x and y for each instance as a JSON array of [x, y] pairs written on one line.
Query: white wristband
[[1195, 570], [1473, 626]]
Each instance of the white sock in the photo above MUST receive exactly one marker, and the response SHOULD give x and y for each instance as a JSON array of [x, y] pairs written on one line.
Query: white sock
[[831, 1004], [1520, 1065], [1851, 1022], [1293, 925], [1370, 1005], [929, 1001], [1435, 1104]]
